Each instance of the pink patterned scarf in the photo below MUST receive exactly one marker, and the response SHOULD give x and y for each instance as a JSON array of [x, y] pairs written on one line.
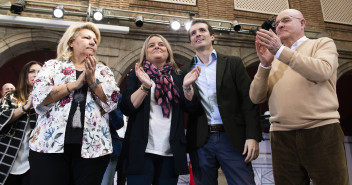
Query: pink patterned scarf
[[165, 90]]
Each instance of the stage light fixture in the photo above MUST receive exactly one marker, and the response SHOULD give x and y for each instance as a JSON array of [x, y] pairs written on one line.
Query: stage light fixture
[[188, 25], [18, 7], [139, 21], [236, 26], [58, 12], [98, 14], [175, 24]]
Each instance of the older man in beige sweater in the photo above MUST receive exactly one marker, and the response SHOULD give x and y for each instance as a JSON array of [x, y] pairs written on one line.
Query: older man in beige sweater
[[298, 76]]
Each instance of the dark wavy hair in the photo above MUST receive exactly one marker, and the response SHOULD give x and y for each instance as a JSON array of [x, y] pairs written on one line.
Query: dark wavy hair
[[22, 90]]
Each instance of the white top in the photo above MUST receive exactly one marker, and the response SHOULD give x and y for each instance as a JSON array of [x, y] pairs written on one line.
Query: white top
[[121, 132], [159, 129], [21, 164]]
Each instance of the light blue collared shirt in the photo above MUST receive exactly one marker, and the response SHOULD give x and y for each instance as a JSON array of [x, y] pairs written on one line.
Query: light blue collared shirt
[[206, 84]]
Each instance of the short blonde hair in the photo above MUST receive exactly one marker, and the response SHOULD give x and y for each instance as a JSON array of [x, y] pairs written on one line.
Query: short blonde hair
[[170, 59], [64, 51]]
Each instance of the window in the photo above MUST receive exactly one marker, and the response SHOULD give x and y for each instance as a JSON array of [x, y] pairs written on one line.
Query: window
[[185, 2], [338, 11], [260, 6]]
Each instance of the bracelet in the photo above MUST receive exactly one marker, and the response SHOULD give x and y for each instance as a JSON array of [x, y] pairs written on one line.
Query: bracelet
[[91, 86], [68, 89], [23, 111], [145, 89]]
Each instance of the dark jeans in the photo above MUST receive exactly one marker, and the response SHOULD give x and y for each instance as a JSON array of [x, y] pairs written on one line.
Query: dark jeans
[[67, 168], [157, 170], [316, 153], [23, 179], [219, 152]]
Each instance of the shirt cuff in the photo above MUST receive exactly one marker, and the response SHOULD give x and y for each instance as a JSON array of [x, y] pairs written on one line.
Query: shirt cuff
[[267, 67], [278, 53]]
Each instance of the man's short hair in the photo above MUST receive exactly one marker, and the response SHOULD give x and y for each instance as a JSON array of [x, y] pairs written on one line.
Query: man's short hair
[[210, 29]]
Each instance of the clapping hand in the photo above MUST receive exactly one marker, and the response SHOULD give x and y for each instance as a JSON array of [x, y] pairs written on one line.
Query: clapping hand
[[90, 66], [142, 76], [29, 103], [269, 40], [191, 77], [263, 53]]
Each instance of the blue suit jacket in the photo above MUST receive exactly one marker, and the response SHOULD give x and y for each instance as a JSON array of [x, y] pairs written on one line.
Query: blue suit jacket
[[116, 122]]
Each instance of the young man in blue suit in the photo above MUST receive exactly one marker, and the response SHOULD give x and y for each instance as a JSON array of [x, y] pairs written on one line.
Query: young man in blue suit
[[225, 130]]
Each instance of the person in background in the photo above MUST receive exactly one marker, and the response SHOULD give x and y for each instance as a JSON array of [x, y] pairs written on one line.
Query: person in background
[[121, 177], [154, 148], [17, 120], [116, 122], [7, 88], [225, 131], [297, 76], [71, 143]]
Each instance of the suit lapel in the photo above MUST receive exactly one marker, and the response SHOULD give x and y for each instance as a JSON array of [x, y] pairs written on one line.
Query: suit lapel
[[220, 69]]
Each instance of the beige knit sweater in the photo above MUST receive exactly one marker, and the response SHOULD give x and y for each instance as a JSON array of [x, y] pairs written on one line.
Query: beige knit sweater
[[300, 86]]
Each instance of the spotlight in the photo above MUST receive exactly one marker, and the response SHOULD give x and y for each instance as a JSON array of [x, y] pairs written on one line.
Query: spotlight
[[191, 14], [98, 14], [139, 21], [188, 25], [236, 26], [18, 7], [58, 12], [175, 25]]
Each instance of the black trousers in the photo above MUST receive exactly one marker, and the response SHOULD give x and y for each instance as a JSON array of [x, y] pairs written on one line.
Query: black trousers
[[67, 168], [23, 179]]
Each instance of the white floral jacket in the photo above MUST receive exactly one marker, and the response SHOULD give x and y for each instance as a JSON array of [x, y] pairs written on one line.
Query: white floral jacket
[[49, 134]]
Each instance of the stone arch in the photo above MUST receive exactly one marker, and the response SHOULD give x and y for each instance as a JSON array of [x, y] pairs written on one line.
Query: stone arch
[[127, 63], [344, 66], [25, 40], [183, 51], [344, 90], [250, 59]]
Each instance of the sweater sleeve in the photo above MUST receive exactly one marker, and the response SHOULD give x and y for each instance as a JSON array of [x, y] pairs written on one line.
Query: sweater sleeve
[[258, 91], [126, 105], [318, 67]]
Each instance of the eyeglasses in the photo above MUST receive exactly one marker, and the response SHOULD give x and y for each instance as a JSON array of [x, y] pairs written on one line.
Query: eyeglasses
[[285, 20]]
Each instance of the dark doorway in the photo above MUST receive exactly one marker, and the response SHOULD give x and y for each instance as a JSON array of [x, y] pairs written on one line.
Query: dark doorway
[[344, 92], [10, 71]]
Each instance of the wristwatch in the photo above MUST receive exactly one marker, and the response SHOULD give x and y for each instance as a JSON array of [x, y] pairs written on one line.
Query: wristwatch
[[91, 86]]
